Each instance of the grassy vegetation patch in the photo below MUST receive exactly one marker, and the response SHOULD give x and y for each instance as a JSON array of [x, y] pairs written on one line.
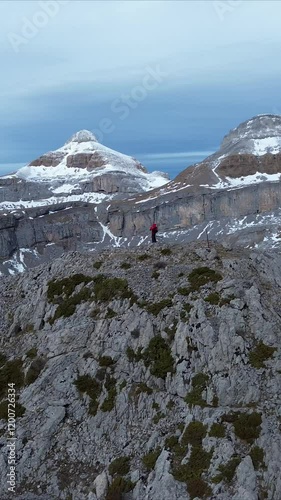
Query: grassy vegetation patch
[[157, 307], [155, 275], [213, 298], [106, 289], [142, 387], [166, 251], [109, 403], [92, 387], [260, 354], [106, 361], [11, 372], [68, 306], [199, 384], [118, 488], [65, 287], [159, 416], [198, 488], [32, 353], [143, 257], [247, 426], [217, 430], [227, 471], [149, 460], [199, 462], [257, 456], [3, 359], [194, 434], [201, 276], [120, 466], [134, 355], [171, 442], [158, 357], [98, 264], [34, 370], [125, 265], [110, 313]]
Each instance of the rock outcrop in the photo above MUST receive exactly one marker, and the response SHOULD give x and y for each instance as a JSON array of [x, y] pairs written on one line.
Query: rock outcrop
[[144, 375]]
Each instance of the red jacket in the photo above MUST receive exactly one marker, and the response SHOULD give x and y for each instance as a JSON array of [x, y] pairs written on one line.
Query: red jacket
[[154, 228]]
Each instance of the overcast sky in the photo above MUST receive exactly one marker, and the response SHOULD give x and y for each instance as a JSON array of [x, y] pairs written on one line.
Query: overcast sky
[[151, 79]]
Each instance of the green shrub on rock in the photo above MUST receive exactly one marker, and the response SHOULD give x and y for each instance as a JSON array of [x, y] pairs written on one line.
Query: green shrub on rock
[[3, 359], [194, 433], [157, 307], [199, 384], [150, 459], [257, 456], [217, 430], [92, 387], [118, 487], [98, 264], [260, 354], [158, 357], [201, 276], [227, 471], [109, 402], [106, 361], [34, 370], [120, 466], [198, 488], [247, 426], [11, 372]]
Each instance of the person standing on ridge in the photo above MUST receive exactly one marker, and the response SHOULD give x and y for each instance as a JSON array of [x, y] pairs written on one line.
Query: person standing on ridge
[[154, 230]]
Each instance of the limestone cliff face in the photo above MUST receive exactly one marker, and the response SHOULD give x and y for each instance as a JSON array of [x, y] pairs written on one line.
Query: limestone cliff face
[[164, 391]]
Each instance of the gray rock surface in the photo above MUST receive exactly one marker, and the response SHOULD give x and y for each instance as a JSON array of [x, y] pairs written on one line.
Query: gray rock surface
[[219, 362]]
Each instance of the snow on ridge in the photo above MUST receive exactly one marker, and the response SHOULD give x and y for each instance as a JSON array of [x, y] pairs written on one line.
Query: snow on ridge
[[54, 200], [234, 182]]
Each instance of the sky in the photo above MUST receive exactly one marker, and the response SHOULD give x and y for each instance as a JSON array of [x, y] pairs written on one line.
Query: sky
[[162, 81]]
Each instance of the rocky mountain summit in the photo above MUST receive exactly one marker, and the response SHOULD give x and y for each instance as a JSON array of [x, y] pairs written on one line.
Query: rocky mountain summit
[[145, 374], [81, 170], [234, 196]]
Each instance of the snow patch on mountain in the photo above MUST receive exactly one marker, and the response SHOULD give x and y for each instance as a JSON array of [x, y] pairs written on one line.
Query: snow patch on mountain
[[267, 145], [86, 197], [247, 180]]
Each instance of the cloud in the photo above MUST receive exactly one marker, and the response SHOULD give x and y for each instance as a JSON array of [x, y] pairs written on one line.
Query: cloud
[[90, 53]]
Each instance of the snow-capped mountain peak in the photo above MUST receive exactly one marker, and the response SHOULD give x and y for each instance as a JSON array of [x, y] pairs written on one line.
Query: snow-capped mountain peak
[[81, 170], [258, 136]]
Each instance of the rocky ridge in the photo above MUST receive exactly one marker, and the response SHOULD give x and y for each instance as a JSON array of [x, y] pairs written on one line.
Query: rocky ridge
[[163, 387], [233, 195]]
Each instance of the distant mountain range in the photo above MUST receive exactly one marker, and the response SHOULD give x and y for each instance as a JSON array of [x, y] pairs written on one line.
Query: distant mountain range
[[85, 196]]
